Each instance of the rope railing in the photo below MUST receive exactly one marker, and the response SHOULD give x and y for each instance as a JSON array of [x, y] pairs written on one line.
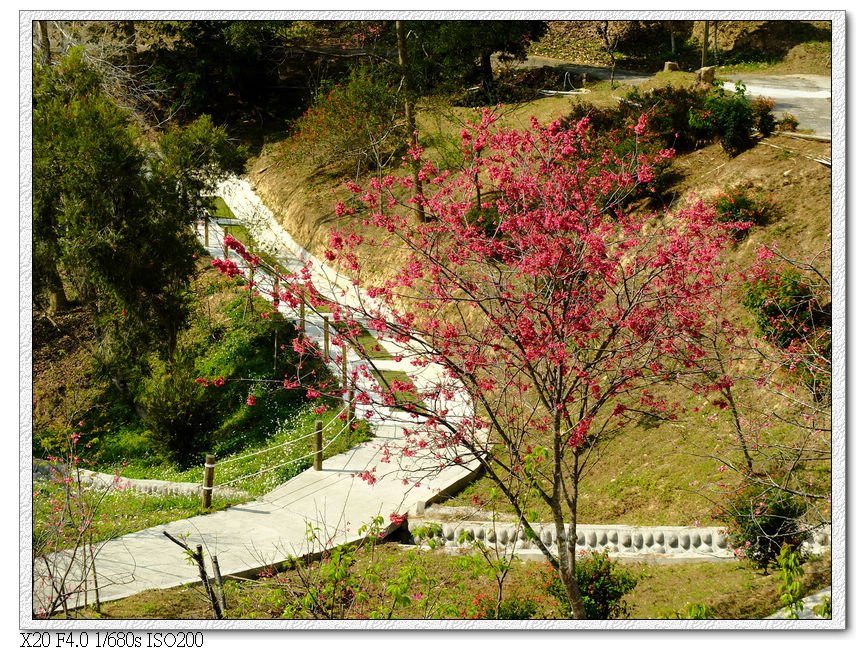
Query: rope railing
[[228, 461], [293, 460]]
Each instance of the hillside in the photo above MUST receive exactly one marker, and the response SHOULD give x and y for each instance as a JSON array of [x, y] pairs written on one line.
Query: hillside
[[657, 485], [783, 46]]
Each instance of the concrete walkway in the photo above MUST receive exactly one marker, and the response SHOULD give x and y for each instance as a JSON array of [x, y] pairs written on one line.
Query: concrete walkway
[[314, 510]]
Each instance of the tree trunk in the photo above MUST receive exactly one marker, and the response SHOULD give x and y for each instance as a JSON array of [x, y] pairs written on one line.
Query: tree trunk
[[672, 39], [715, 40], [44, 42], [487, 70], [411, 128], [575, 598], [705, 42], [130, 45], [57, 300]]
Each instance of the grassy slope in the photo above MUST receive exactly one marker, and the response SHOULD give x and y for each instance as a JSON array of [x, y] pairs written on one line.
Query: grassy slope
[[649, 475]]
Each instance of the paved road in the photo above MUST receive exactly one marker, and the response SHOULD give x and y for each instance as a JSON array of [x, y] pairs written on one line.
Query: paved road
[[806, 97]]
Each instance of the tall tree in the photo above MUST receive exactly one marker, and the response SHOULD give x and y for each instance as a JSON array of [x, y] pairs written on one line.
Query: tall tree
[[113, 217], [556, 327], [461, 51], [408, 91]]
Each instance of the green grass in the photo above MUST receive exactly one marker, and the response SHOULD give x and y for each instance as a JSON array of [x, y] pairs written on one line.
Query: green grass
[[292, 456], [221, 209], [453, 585], [365, 341], [401, 397], [118, 512]]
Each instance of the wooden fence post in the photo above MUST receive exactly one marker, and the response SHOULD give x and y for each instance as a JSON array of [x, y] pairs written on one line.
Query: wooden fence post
[[302, 315], [207, 488], [326, 338], [350, 418], [344, 369], [207, 231], [316, 460]]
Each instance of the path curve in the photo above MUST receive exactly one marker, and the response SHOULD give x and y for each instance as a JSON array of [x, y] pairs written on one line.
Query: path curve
[[334, 503]]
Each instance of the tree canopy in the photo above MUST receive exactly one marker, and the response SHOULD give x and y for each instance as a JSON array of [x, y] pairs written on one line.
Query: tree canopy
[[112, 217]]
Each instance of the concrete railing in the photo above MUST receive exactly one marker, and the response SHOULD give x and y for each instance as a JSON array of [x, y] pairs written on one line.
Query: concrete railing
[[621, 541]]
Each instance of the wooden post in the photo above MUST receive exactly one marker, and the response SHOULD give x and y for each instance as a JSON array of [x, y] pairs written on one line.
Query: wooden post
[[198, 556], [326, 338], [316, 460], [344, 369], [350, 409], [217, 574], [302, 315], [207, 230], [207, 488], [208, 588]]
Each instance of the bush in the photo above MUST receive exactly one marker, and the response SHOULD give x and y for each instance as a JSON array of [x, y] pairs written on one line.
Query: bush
[[764, 121], [669, 113], [602, 585], [782, 304], [726, 117], [178, 413], [787, 122], [759, 521], [359, 120], [744, 204]]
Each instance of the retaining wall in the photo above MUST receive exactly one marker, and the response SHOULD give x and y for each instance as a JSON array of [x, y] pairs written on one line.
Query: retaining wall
[[620, 541]]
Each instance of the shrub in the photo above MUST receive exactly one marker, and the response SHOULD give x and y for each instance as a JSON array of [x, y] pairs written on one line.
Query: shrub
[[358, 120], [513, 608], [726, 117], [782, 304], [669, 112], [602, 585], [764, 121], [787, 123], [760, 520], [178, 414], [744, 204]]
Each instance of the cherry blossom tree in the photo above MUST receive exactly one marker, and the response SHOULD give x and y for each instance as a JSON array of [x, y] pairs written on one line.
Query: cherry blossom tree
[[538, 322], [773, 381]]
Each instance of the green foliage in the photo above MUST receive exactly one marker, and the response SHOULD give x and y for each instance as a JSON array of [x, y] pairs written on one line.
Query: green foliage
[[745, 205], [790, 574], [602, 585], [449, 55], [783, 305], [764, 121], [178, 412], [692, 612], [213, 66], [669, 110], [357, 121], [728, 117], [113, 217], [824, 609], [760, 521]]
